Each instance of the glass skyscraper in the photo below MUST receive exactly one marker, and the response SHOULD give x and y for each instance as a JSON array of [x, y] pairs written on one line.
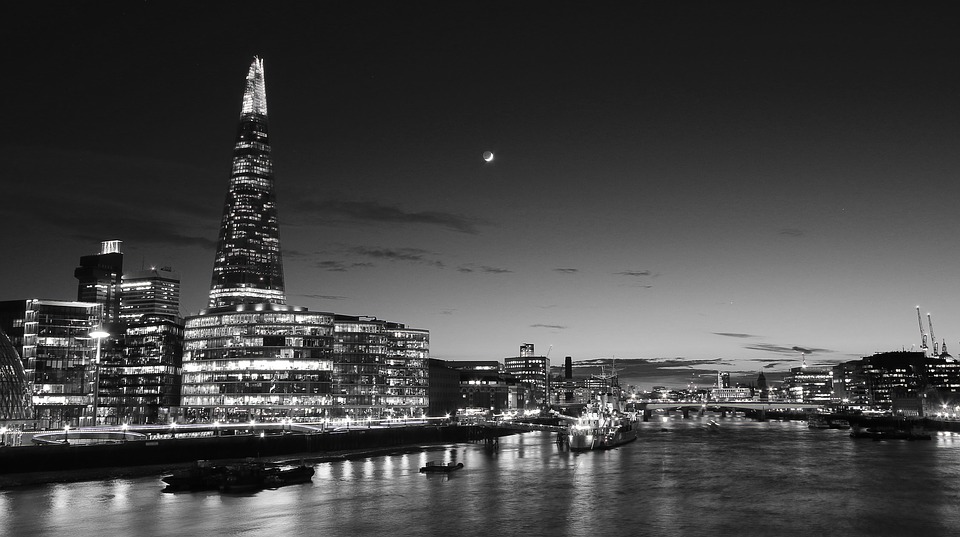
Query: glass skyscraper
[[248, 267], [250, 356]]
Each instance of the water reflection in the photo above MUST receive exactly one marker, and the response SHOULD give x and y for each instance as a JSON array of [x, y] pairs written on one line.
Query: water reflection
[[749, 479]]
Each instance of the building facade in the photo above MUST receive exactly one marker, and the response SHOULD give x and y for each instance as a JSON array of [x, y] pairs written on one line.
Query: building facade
[[258, 362], [15, 400], [58, 355], [533, 370], [99, 279]]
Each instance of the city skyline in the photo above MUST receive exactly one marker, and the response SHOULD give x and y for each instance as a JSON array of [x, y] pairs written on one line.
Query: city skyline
[[720, 186]]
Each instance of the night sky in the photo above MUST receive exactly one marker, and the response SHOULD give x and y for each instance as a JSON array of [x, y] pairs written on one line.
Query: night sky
[[719, 183]]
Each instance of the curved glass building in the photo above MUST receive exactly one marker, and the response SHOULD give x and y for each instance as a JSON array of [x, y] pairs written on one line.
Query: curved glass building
[[14, 392]]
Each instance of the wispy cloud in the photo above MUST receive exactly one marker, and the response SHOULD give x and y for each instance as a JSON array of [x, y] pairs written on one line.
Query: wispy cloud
[[550, 326], [372, 211], [340, 266], [566, 270], [634, 273], [733, 334], [792, 232], [784, 349], [482, 268], [410, 255]]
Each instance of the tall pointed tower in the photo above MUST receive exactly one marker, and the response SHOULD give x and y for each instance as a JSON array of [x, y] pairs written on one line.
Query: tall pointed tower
[[248, 267]]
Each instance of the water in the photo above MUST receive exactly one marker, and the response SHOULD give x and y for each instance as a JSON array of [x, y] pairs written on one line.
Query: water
[[750, 478]]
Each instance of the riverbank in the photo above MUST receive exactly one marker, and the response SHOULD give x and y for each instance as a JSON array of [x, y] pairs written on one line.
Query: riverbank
[[32, 465]]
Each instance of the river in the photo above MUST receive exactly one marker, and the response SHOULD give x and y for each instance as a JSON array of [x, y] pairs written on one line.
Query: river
[[679, 478]]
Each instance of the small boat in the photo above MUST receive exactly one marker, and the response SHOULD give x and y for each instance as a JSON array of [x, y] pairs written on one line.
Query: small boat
[[247, 476], [890, 433], [438, 467], [818, 422]]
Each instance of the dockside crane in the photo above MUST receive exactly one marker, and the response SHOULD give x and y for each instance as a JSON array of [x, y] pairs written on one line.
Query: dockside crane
[[933, 338], [923, 335]]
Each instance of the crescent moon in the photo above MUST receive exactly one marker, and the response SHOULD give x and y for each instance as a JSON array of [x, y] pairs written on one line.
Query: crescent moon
[[487, 156]]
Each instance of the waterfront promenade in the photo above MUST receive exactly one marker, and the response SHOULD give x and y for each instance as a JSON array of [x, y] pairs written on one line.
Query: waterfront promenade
[[88, 455]]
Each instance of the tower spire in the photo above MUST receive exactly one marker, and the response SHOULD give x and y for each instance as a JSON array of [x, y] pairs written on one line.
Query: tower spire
[[248, 267]]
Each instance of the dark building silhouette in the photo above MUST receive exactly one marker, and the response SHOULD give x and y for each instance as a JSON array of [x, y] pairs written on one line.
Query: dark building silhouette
[[444, 390], [99, 277], [248, 267]]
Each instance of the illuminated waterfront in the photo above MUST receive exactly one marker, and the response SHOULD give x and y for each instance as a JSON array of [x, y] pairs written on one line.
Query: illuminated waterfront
[[750, 478]]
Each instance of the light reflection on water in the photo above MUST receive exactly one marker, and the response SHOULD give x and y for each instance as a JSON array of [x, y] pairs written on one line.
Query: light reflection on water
[[772, 478]]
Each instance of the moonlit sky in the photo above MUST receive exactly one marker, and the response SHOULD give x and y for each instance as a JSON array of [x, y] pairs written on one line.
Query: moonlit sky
[[730, 183]]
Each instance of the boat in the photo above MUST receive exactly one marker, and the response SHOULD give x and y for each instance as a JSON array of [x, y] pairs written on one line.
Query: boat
[[246, 476], [890, 433], [440, 468], [600, 428], [817, 421]]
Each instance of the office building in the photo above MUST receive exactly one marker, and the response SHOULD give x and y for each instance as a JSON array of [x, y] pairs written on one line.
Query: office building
[[533, 370], [153, 292], [99, 279], [58, 354]]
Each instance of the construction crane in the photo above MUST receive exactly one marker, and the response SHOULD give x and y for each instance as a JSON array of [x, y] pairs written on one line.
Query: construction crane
[[923, 335], [933, 338]]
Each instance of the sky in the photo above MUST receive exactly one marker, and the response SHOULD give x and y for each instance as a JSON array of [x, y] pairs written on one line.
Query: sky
[[702, 185]]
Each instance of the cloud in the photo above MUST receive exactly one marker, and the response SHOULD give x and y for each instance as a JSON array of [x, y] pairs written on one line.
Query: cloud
[[550, 326], [483, 268], [340, 266], [792, 232], [733, 334], [783, 349], [411, 255], [566, 270], [372, 211], [634, 273]]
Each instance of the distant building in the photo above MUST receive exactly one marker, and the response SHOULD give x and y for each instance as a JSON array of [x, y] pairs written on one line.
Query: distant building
[[763, 391], [99, 278], [903, 382], [443, 392], [150, 292], [53, 340], [808, 385], [533, 370]]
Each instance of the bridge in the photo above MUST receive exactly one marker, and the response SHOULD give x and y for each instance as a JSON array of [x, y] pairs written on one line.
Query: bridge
[[759, 407]]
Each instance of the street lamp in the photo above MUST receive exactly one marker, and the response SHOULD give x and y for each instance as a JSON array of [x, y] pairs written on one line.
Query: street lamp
[[98, 334]]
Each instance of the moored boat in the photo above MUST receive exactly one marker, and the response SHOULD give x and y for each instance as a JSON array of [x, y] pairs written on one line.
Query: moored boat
[[600, 429], [247, 476], [437, 467]]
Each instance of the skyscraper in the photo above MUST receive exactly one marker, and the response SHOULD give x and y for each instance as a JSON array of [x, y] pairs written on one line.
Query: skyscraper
[[99, 278], [251, 356], [248, 266]]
